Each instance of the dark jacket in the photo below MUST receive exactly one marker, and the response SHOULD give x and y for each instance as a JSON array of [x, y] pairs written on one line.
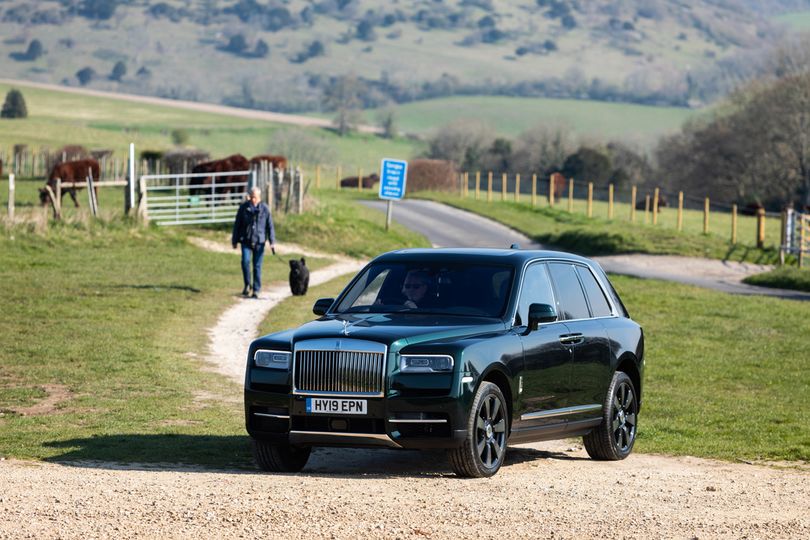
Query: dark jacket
[[253, 225]]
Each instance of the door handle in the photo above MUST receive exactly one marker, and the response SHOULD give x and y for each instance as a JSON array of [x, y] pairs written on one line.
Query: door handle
[[571, 339]]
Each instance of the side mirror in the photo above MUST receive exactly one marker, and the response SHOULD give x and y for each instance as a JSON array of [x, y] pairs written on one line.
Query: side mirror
[[322, 305], [541, 313]]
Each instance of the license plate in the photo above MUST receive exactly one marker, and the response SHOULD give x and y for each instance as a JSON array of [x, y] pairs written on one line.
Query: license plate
[[336, 406]]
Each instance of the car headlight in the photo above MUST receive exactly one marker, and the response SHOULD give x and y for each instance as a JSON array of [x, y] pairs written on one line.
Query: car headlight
[[425, 363], [272, 359]]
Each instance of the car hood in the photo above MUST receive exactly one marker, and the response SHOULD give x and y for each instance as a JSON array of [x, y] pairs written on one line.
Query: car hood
[[397, 330]]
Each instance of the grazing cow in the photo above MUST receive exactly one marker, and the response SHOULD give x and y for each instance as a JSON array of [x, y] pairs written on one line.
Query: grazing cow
[[368, 181], [232, 163], [278, 162], [662, 202], [69, 172], [751, 209], [560, 184], [299, 277]]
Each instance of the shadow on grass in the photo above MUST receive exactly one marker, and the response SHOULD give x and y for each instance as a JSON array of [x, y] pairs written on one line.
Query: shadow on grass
[[158, 287], [201, 453]]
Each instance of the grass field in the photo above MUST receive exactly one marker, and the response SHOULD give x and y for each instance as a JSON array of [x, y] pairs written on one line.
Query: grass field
[[797, 20], [591, 120], [725, 381], [785, 277], [59, 118], [600, 236]]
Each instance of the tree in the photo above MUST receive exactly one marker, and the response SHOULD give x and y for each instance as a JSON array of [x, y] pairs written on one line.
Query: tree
[[35, 50], [588, 165], [387, 120], [86, 75], [365, 30], [98, 9], [14, 106], [118, 71], [261, 50], [464, 142], [342, 96], [237, 44], [542, 149]]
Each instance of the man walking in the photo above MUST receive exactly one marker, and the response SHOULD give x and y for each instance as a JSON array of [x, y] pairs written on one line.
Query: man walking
[[252, 228]]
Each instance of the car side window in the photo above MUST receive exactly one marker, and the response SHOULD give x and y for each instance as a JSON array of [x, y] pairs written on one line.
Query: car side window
[[571, 303], [536, 290], [599, 304]]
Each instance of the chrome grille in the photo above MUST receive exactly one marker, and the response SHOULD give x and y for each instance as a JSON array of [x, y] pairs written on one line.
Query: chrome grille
[[357, 368]]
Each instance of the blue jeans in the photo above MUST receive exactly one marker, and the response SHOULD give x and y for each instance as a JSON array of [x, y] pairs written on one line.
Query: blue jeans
[[258, 255]]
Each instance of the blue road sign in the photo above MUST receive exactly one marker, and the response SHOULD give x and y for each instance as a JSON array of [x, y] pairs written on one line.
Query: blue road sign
[[392, 179]]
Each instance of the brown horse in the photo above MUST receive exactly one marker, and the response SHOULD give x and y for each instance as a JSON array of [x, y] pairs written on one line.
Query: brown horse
[[69, 172]]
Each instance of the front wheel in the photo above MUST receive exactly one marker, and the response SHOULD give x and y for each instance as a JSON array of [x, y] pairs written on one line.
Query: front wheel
[[279, 457], [484, 448], [614, 438]]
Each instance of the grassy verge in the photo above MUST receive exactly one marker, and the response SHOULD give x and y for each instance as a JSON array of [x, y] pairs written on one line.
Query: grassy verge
[[726, 374], [596, 236], [104, 329], [784, 277]]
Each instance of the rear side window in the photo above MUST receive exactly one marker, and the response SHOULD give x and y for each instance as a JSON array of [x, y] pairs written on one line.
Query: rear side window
[[571, 303], [599, 304]]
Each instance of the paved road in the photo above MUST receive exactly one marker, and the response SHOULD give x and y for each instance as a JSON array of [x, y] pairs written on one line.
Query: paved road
[[445, 226]]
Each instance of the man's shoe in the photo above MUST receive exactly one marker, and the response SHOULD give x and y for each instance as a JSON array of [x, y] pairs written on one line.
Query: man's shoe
[[246, 291], [254, 295]]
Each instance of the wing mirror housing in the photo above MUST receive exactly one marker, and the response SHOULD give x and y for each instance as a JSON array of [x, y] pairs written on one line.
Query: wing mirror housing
[[539, 314], [322, 305]]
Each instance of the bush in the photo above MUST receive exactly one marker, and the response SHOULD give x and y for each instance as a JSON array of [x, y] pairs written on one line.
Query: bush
[[180, 137], [118, 71], [35, 50], [14, 106], [431, 174], [86, 75]]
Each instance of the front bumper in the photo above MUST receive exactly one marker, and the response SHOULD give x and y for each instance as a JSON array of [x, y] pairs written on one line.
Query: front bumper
[[394, 421]]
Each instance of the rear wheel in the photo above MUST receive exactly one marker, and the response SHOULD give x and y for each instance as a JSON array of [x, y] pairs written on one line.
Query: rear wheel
[[614, 438], [279, 457], [484, 448]]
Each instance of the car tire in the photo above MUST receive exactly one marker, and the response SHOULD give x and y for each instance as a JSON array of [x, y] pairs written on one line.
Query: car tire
[[279, 457], [484, 448], [614, 438]]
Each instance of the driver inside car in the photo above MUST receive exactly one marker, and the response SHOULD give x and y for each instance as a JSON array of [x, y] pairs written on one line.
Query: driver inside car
[[415, 287]]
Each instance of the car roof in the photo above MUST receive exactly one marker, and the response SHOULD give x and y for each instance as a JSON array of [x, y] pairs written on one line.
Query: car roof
[[515, 257]]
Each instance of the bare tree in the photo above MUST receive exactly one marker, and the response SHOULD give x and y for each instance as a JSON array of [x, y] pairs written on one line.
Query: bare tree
[[342, 96], [464, 142], [543, 149]]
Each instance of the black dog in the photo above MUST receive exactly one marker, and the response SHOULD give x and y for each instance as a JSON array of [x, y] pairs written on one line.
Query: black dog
[[299, 277]]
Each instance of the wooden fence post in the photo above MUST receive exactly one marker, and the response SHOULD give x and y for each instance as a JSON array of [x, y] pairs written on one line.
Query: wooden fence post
[[551, 191], [761, 228], [803, 223], [300, 190], [11, 189], [504, 179], [317, 177], [477, 185], [570, 195], [517, 187], [590, 199], [489, 187], [58, 202], [655, 207], [534, 190], [633, 193], [610, 201], [733, 224], [337, 178], [647, 209], [706, 210], [359, 179], [680, 211]]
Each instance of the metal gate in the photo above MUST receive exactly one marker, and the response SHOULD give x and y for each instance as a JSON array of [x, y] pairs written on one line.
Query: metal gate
[[189, 199], [796, 236]]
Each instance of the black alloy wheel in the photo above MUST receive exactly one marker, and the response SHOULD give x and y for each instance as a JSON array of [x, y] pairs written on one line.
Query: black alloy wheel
[[484, 448], [614, 438], [279, 457]]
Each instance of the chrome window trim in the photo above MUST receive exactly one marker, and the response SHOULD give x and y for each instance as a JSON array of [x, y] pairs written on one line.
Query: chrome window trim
[[330, 345], [565, 411], [614, 312]]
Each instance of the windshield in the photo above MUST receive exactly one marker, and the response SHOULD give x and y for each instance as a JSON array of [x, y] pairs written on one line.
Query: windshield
[[454, 289]]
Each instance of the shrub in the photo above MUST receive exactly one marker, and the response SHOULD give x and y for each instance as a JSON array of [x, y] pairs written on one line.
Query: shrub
[[86, 75], [431, 174], [118, 71], [14, 106], [180, 137]]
